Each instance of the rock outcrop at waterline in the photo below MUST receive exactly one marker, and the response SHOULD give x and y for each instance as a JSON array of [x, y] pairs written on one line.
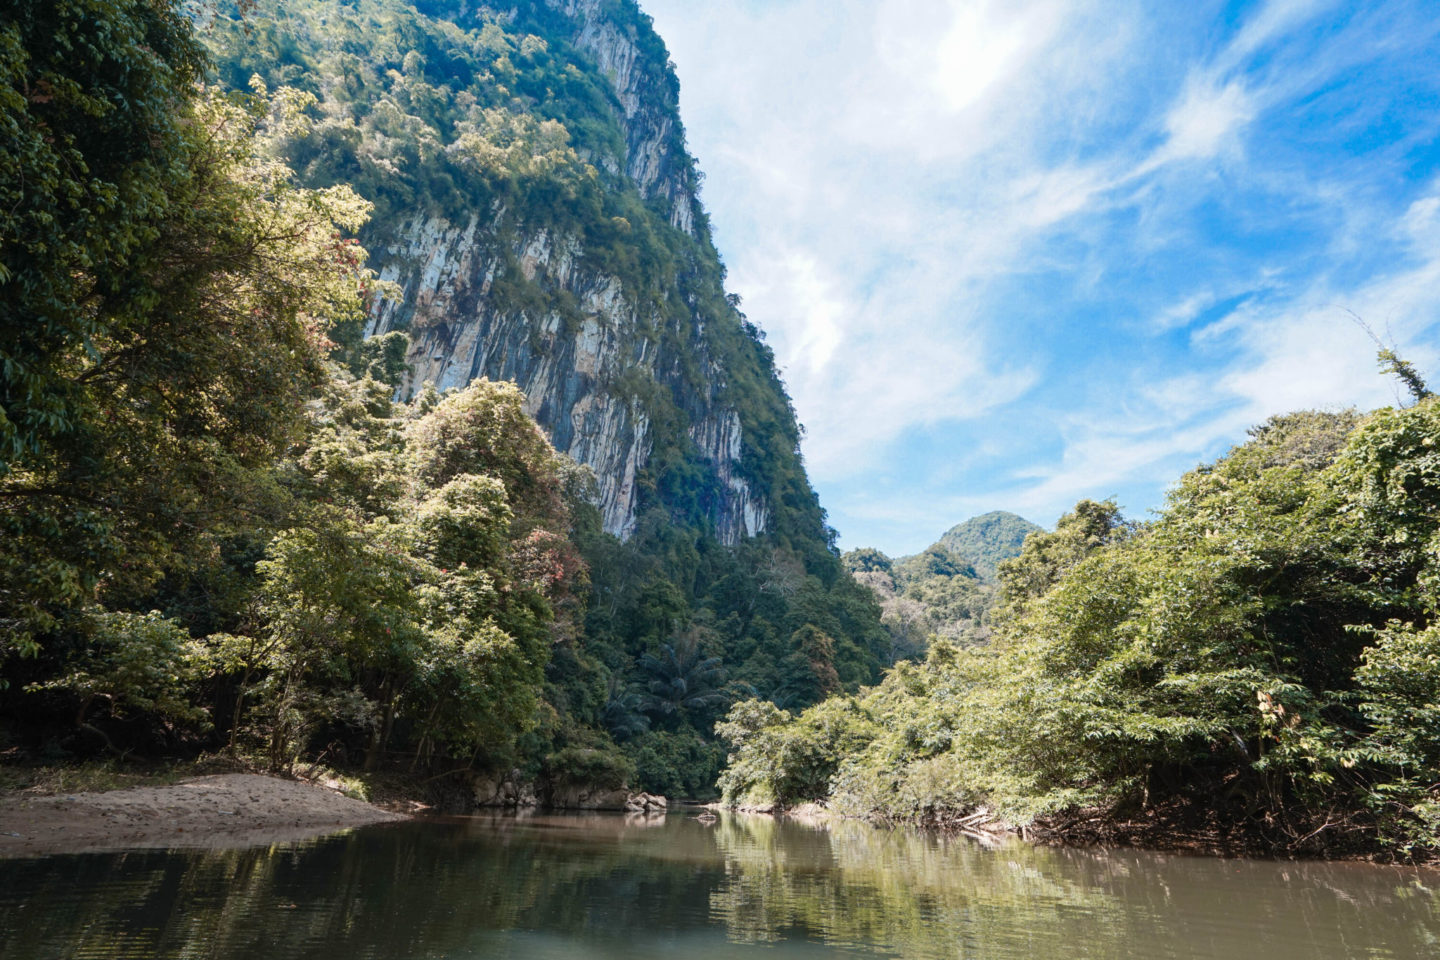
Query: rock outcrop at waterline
[[513, 792]]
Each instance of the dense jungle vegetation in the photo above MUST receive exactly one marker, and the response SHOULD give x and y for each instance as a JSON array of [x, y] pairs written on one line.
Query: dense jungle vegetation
[[215, 519], [222, 529], [1260, 662]]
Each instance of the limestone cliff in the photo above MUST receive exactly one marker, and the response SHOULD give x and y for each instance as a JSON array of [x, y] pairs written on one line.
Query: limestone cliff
[[586, 347], [535, 204], [570, 371], [655, 159]]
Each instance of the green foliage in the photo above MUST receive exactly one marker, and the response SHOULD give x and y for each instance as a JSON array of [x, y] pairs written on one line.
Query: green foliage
[[95, 98], [1047, 557], [430, 607], [484, 431], [1399, 689], [365, 576], [178, 395], [1405, 372], [1264, 648], [446, 112], [359, 571], [381, 358], [680, 763], [866, 560], [669, 602], [777, 759], [946, 590], [931, 563], [623, 711], [467, 113], [136, 664], [589, 767], [682, 678]]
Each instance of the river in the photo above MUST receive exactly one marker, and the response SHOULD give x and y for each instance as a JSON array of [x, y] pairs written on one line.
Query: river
[[681, 889]]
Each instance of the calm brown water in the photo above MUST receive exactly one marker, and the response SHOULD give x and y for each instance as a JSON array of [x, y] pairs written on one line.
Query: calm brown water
[[577, 887]]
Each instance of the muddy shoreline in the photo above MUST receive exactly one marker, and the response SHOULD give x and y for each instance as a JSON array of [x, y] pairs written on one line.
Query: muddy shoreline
[[211, 812]]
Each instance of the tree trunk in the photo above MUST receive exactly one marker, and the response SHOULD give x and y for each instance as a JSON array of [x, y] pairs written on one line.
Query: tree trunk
[[238, 711], [382, 731]]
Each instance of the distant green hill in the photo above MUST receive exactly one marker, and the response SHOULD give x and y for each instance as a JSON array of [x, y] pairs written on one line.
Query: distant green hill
[[948, 588], [987, 539]]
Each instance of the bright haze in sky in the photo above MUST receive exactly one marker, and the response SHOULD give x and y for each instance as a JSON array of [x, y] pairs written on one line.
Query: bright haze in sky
[[1011, 254]]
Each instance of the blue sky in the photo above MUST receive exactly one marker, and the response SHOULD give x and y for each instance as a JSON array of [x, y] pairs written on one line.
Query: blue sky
[[1011, 254]]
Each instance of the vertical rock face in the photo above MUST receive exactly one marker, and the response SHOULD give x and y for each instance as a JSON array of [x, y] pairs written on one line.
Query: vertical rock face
[[654, 147], [586, 354], [459, 332], [741, 514]]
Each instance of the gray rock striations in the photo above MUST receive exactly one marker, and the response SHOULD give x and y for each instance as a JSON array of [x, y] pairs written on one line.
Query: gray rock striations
[[610, 366], [655, 159]]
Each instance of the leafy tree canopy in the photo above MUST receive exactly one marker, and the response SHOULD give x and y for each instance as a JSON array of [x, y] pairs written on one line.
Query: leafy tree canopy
[[1264, 649]]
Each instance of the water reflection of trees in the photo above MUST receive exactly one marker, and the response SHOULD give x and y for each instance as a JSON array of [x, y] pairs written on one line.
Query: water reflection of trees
[[428, 890], [397, 893], [916, 893], [924, 895]]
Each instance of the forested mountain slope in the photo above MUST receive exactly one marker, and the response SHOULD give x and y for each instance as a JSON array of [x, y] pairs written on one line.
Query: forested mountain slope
[[537, 209], [987, 540], [946, 590], [519, 178]]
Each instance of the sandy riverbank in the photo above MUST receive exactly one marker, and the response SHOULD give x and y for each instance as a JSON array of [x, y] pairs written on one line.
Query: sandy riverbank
[[216, 812]]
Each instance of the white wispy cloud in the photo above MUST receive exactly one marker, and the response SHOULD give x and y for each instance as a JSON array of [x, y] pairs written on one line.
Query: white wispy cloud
[[973, 227], [1207, 120], [1273, 20]]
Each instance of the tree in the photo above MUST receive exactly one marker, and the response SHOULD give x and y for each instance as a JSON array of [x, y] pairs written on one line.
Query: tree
[[682, 678], [150, 412], [1263, 652], [402, 595], [809, 672], [623, 712], [140, 665], [866, 560], [1046, 557], [98, 127]]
